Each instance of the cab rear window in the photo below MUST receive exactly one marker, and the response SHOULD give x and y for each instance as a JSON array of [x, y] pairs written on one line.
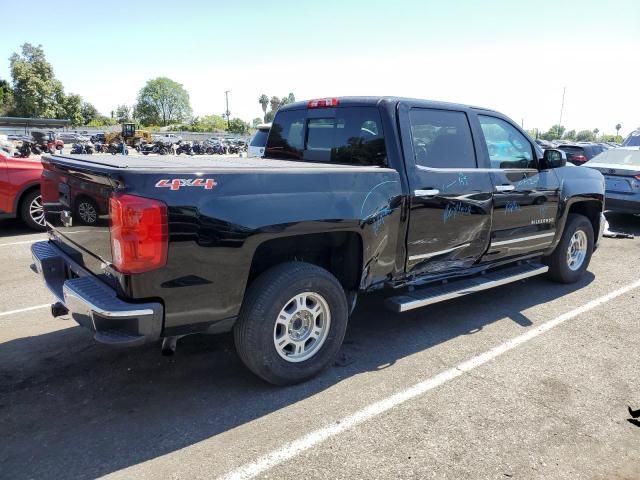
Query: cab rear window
[[350, 135]]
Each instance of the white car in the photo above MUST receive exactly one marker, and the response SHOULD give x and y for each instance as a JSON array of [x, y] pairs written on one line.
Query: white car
[[259, 140], [167, 138]]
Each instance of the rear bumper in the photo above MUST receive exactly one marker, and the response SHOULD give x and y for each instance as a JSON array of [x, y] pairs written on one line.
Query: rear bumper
[[622, 203], [93, 304]]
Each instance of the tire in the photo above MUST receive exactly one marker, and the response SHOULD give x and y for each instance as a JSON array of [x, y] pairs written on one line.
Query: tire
[[563, 266], [31, 211], [271, 297], [163, 151]]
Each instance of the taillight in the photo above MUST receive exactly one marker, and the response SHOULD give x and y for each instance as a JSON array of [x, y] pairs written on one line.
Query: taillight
[[323, 103], [139, 233], [579, 158], [637, 177]]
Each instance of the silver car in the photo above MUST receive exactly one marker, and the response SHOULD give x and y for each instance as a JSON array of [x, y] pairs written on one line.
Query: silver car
[[621, 170]]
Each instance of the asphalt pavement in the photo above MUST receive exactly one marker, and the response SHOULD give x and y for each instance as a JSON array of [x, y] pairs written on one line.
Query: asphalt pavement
[[530, 380]]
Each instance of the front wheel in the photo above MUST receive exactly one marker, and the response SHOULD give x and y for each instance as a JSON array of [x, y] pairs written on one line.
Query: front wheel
[[570, 259], [292, 323]]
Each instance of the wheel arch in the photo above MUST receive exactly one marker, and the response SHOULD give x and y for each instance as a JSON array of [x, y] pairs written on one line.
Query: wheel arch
[[340, 253], [17, 203]]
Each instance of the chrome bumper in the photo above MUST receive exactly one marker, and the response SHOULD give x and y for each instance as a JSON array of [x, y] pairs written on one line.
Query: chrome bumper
[[92, 303]]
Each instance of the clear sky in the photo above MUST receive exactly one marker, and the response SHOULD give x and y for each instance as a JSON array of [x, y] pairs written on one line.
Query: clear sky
[[509, 55]]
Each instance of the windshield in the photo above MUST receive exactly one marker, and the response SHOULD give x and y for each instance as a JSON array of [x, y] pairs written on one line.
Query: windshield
[[260, 138], [633, 140], [351, 135], [618, 157]]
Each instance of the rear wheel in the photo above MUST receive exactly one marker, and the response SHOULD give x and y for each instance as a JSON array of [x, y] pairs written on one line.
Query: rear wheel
[[571, 258], [292, 323], [32, 211]]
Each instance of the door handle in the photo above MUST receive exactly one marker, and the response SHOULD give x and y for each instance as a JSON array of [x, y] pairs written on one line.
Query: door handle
[[505, 188], [432, 192]]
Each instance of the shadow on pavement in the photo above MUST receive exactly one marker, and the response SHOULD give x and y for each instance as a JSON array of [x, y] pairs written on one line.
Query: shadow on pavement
[[624, 223], [14, 227], [70, 408]]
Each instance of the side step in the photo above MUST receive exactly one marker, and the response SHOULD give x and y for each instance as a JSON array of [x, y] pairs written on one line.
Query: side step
[[459, 288]]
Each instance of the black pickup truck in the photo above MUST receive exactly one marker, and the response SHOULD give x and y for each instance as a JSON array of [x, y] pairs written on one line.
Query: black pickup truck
[[430, 201]]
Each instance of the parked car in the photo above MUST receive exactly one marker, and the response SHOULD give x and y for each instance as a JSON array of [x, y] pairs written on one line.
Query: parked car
[[72, 137], [98, 138], [20, 190], [621, 170], [259, 140], [579, 153], [167, 138], [632, 140], [353, 195]]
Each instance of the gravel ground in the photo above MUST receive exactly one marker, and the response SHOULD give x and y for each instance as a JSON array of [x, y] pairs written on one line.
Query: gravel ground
[[555, 407]]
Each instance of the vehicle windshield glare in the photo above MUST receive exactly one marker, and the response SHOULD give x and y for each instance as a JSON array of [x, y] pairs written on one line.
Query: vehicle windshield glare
[[259, 139], [618, 157]]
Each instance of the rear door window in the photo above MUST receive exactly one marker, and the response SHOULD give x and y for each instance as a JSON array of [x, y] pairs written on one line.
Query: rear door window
[[350, 135], [441, 139]]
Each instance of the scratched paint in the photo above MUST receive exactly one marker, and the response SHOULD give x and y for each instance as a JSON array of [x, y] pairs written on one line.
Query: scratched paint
[[511, 207], [454, 210]]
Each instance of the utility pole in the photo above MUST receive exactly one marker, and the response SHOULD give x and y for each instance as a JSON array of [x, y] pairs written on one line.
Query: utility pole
[[226, 94], [564, 89]]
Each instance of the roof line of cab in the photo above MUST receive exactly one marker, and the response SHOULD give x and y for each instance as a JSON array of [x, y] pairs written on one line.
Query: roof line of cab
[[354, 101]]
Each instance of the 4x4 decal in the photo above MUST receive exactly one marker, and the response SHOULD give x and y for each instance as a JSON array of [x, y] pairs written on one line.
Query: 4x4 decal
[[176, 183]]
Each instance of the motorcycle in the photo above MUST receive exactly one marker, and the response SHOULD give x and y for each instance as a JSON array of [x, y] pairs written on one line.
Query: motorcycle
[[160, 148], [118, 148], [26, 149], [186, 148], [82, 149]]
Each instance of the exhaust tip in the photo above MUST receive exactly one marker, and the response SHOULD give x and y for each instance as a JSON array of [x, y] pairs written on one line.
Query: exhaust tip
[[58, 310]]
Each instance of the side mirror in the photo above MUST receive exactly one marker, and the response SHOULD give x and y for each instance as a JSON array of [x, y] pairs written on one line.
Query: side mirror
[[553, 158]]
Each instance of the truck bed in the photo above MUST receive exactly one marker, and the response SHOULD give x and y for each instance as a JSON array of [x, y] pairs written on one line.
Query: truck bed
[[198, 163]]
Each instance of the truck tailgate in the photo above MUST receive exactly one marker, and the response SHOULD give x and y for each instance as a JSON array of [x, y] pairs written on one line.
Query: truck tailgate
[[76, 202]]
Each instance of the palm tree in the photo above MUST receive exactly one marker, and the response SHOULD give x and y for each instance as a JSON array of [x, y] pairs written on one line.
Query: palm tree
[[263, 101], [618, 127], [595, 133], [275, 104]]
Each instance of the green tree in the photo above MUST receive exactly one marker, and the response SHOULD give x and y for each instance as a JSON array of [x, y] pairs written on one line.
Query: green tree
[[89, 113], [124, 114], [584, 136], [238, 126], [288, 99], [570, 135], [6, 97], [164, 101], [275, 104], [554, 133], [256, 121], [36, 91], [595, 133], [618, 127], [72, 109], [269, 116], [102, 121], [264, 103]]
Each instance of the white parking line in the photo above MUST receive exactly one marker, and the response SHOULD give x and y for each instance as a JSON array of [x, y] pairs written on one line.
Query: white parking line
[[22, 243], [28, 309], [302, 444]]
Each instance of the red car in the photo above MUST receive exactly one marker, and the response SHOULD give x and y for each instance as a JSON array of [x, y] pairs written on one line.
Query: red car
[[20, 190]]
